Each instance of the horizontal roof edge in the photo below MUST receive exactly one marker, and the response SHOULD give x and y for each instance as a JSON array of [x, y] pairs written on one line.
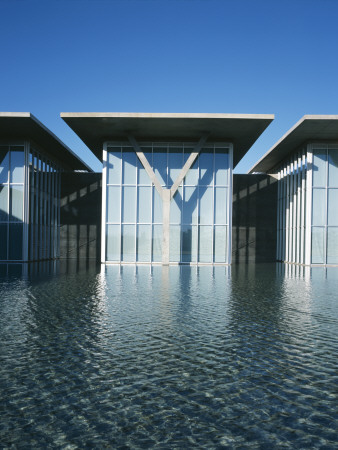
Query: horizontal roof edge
[[166, 115]]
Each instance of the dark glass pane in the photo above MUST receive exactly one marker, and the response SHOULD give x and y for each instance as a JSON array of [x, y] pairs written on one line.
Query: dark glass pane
[[189, 243], [15, 241], [3, 241]]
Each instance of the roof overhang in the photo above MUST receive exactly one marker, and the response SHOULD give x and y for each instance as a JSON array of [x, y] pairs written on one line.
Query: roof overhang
[[240, 129], [23, 125], [310, 128]]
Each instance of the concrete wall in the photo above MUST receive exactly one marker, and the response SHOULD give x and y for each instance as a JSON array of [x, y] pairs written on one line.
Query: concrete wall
[[80, 218], [254, 220]]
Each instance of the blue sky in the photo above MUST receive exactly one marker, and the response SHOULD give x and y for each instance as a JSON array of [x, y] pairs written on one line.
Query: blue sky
[[205, 56]]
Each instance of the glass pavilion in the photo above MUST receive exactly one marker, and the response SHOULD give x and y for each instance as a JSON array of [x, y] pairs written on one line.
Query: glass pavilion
[[31, 160], [305, 161], [167, 182]]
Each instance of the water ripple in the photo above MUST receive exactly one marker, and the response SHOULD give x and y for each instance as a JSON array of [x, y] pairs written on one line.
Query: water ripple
[[127, 357]]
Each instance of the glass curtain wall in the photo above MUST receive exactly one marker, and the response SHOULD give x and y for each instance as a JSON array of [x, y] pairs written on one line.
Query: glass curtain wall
[[291, 219], [29, 205], [199, 210], [12, 181], [44, 207], [324, 230]]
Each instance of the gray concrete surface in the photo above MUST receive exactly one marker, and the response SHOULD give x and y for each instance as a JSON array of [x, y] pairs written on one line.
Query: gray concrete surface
[[80, 216], [254, 218]]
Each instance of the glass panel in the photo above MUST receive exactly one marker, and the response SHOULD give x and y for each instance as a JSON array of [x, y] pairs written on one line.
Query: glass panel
[[129, 204], [189, 243], [157, 207], [15, 241], [190, 205], [4, 203], [113, 203], [129, 166], [318, 245], [332, 245], [221, 167], [206, 159], [205, 244], [16, 203], [143, 177], [174, 243], [175, 164], [332, 207], [4, 163], [333, 167], [176, 207], [144, 204], [3, 241], [191, 177], [157, 243], [318, 206], [114, 166], [128, 243], [17, 165], [220, 244], [206, 211], [113, 243], [144, 243], [319, 168], [160, 164], [221, 206]]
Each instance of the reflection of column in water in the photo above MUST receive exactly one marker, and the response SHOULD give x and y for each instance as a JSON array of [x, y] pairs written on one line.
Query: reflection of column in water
[[167, 273]]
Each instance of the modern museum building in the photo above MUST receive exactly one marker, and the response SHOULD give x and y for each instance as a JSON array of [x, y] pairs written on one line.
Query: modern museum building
[[167, 188]]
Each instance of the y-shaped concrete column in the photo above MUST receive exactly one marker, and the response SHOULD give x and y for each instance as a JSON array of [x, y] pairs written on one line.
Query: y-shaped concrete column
[[166, 194]]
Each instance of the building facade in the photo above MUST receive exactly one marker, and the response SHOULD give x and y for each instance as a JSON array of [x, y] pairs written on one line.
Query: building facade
[[31, 161], [305, 161], [167, 182]]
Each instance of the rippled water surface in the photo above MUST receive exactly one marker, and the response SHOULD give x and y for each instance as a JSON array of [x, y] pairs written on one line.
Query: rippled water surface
[[169, 357]]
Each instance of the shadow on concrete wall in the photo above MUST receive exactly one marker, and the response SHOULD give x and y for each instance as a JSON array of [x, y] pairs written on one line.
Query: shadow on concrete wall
[[254, 220], [80, 216]]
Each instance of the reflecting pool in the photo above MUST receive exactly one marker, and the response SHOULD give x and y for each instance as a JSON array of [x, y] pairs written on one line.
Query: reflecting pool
[[141, 357]]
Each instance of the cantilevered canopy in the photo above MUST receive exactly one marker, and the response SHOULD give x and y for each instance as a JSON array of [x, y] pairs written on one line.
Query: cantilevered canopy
[[240, 129], [23, 125], [310, 128]]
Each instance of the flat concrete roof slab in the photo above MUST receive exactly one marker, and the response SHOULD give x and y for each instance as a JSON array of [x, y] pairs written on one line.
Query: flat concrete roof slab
[[310, 128], [240, 129], [23, 125]]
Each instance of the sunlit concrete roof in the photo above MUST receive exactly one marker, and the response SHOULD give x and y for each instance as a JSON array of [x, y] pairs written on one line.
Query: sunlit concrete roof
[[23, 125], [240, 129], [310, 128]]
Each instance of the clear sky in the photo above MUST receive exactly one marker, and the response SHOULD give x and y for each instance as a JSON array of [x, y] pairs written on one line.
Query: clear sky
[[204, 56]]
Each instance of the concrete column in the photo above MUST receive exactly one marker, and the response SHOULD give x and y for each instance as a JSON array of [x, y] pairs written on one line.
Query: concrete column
[[166, 226]]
